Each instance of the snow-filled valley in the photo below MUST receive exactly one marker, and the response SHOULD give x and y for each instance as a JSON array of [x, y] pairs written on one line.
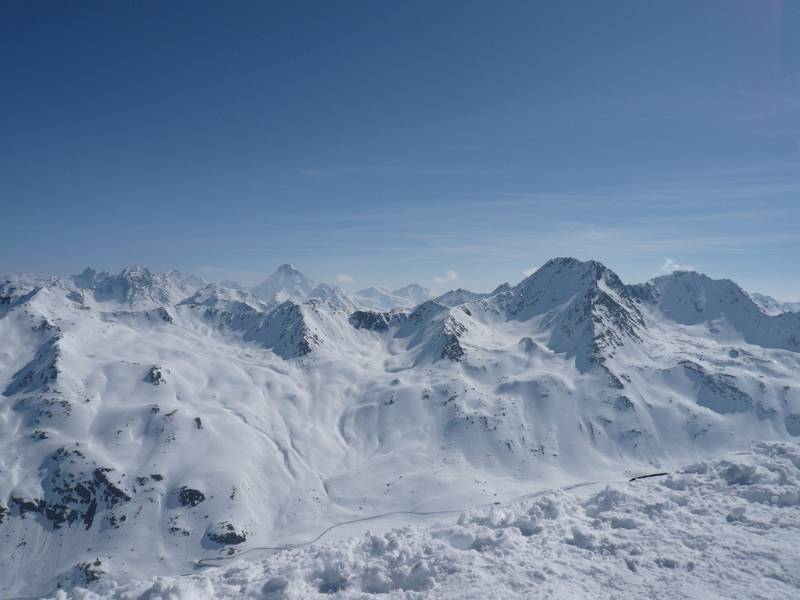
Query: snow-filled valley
[[152, 425]]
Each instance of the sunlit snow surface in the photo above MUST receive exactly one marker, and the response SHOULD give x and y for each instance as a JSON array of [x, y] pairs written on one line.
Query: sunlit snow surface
[[149, 422], [721, 528]]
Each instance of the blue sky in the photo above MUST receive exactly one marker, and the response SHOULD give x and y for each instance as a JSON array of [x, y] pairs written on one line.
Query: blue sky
[[448, 143]]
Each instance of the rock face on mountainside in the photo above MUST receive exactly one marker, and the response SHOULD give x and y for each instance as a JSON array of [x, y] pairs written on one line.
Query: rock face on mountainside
[[149, 420], [589, 312]]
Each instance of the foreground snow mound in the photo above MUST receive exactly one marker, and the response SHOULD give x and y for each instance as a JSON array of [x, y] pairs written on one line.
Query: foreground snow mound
[[718, 528]]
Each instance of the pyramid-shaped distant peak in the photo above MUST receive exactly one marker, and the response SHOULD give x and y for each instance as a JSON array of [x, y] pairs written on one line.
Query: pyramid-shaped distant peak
[[287, 268], [286, 282]]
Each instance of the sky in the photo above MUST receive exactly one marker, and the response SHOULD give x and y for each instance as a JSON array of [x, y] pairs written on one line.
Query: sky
[[378, 143]]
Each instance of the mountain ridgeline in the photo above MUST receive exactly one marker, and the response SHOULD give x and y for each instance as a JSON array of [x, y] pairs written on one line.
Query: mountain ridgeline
[[150, 420]]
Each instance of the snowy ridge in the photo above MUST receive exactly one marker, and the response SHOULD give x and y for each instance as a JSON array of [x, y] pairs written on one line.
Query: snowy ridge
[[771, 306], [690, 298], [136, 287], [150, 421], [287, 283]]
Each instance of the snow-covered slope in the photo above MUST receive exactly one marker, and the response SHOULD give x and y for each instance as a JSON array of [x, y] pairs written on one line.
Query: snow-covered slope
[[148, 421], [771, 306], [722, 528]]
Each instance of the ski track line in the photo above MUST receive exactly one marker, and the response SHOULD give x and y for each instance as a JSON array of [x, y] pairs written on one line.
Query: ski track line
[[213, 561], [210, 562]]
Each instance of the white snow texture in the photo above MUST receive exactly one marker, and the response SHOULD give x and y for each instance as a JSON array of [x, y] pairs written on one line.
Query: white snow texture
[[152, 425]]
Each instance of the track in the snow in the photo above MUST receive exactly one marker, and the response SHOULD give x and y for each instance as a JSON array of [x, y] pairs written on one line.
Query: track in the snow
[[213, 561]]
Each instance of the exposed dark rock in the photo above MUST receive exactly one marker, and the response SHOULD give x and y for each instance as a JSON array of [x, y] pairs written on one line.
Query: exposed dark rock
[[38, 409], [175, 530], [372, 321], [114, 521], [25, 505], [451, 348], [198, 423], [623, 403], [285, 331], [190, 497], [39, 373], [87, 572], [163, 314], [74, 488], [45, 325], [155, 375], [226, 533], [452, 330]]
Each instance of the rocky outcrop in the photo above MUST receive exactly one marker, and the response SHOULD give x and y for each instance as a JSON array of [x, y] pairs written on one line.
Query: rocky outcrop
[[156, 375], [190, 497], [76, 489], [369, 320], [226, 534]]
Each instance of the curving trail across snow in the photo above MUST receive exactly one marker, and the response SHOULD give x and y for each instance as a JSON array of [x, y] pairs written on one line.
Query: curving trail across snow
[[210, 562], [718, 528]]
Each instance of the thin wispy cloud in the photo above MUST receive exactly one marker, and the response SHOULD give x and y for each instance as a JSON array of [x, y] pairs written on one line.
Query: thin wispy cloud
[[344, 278], [670, 266], [448, 277]]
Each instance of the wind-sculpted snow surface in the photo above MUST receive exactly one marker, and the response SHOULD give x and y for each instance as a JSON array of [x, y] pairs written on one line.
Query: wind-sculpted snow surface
[[722, 528], [148, 422]]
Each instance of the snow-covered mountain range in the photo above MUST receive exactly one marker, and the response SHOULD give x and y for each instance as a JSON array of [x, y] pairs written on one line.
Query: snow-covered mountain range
[[287, 283], [148, 421]]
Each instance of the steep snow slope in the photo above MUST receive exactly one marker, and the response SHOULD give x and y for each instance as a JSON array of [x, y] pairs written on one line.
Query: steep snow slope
[[722, 528], [141, 431]]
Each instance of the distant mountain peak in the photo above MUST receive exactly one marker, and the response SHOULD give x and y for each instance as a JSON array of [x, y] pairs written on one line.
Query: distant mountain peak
[[288, 268], [555, 282], [286, 282], [136, 286]]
